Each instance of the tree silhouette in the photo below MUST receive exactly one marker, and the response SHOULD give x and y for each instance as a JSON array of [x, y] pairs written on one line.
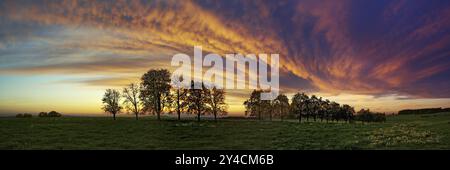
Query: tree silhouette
[[348, 112], [111, 102], [314, 105], [197, 100], [216, 99], [253, 104], [43, 114], [334, 111], [326, 109], [268, 108], [131, 95], [155, 90], [179, 96], [300, 102], [282, 105]]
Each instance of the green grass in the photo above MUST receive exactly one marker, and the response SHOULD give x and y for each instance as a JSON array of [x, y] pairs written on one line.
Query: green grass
[[399, 132]]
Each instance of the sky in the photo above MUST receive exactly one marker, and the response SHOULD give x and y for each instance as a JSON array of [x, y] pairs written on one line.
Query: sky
[[385, 55]]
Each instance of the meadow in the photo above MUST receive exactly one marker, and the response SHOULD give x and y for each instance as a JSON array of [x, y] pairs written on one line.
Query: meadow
[[430, 131]]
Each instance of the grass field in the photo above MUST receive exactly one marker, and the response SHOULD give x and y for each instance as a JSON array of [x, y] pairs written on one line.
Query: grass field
[[399, 132]]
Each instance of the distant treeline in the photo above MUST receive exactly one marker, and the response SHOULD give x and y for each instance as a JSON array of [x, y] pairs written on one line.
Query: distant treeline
[[423, 111], [41, 114]]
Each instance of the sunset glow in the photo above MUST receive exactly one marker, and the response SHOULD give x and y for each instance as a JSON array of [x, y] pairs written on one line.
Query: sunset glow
[[382, 55]]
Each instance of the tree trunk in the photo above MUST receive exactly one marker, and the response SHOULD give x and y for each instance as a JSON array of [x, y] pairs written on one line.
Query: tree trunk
[[259, 113], [178, 104], [136, 112], [114, 116], [215, 116], [158, 107], [270, 115], [281, 114], [198, 117], [300, 117]]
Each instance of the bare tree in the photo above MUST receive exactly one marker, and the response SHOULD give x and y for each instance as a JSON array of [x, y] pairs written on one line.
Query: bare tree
[[110, 101], [179, 96], [132, 102], [216, 101]]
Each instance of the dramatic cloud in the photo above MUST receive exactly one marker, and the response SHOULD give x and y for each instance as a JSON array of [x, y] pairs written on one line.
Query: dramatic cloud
[[361, 47]]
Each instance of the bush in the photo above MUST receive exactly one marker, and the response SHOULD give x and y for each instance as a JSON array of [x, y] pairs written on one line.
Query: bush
[[25, 115], [54, 114], [367, 116], [43, 114]]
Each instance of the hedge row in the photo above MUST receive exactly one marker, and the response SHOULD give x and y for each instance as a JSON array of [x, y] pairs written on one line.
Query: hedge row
[[423, 111], [371, 117]]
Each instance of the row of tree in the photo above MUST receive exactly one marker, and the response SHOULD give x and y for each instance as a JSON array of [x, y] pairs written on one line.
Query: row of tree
[[301, 106], [40, 114], [423, 111], [50, 114], [156, 94]]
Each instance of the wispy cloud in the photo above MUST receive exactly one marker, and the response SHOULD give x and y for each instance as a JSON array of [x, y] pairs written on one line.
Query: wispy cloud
[[358, 47]]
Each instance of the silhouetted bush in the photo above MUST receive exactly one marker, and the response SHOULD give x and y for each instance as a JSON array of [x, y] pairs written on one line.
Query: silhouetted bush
[[25, 115], [367, 116], [54, 114], [43, 114]]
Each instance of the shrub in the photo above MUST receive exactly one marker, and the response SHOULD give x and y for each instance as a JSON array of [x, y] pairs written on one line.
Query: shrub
[[25, 115], [367, 116], [43, 114], [54, 114]]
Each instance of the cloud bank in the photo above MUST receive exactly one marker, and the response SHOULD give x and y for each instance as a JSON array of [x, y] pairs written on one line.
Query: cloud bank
[[358, 47]]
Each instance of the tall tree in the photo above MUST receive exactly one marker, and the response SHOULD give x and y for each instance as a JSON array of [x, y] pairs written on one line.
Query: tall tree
[[325, 106], [131, 96], [300, 102], [334, 110], [216, 99], [348, 112], [110, 101], [268, 107], [179, 96], [197, 100], [155, 90], [314, 104], [282, 105], [253, 104]]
